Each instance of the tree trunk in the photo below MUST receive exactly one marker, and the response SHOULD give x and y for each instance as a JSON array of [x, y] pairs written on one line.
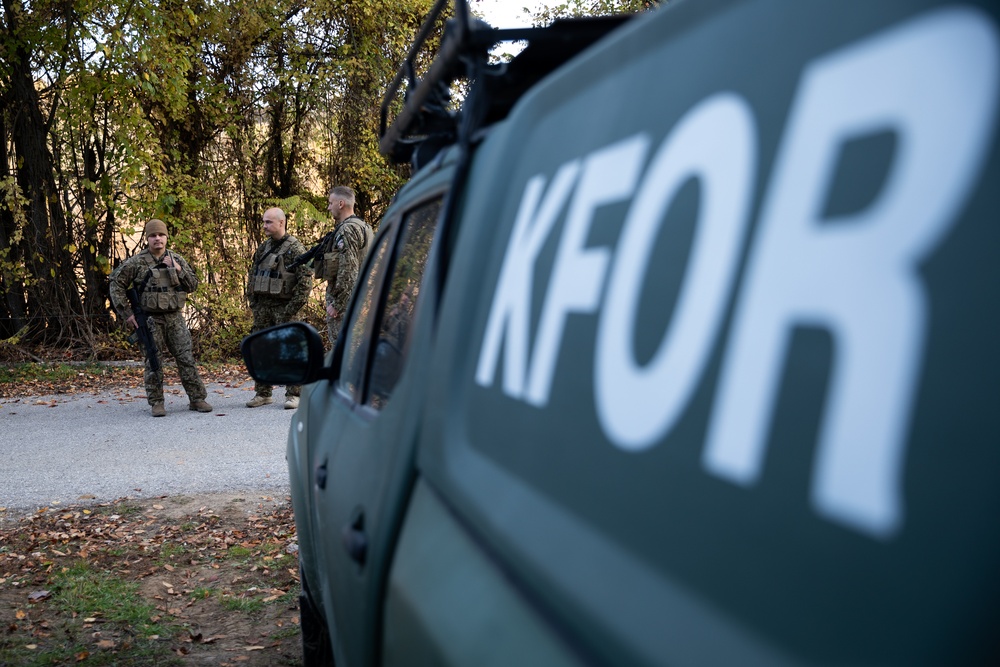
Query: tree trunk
[[53, 302], [12, 315]]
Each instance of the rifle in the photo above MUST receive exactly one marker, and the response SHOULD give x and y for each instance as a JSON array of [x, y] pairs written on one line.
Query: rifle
[[308, 255], [143, 334]]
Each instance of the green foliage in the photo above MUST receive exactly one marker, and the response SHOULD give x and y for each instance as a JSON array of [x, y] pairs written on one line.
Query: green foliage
[[200, 114], [579, 8], [220, 322]]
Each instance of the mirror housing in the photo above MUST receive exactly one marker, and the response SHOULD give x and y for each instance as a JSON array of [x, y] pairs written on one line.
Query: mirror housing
[[285, 354]]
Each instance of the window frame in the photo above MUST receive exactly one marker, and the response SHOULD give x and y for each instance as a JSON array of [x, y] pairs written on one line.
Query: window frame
[[391, 227]]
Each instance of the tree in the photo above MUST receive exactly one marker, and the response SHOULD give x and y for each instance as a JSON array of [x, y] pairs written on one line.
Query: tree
[[579, 8], [33, 40], [200, 113]]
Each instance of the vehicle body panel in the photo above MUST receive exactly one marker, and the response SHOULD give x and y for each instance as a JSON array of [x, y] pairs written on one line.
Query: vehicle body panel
[[704, 366], [692, 563]]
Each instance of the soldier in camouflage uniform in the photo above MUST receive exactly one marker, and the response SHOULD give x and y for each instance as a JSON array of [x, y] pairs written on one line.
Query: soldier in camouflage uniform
[[276, 295], [342, 259], [163, 279]]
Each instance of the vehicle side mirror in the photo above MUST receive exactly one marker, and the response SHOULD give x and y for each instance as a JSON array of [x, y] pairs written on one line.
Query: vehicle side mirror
[[285, 354]]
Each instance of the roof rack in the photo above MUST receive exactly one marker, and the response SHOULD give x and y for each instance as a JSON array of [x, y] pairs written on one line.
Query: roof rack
[[464, 52]]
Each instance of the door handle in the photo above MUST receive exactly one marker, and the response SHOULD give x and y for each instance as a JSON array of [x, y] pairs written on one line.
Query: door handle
[[355, 540], [321, 476]]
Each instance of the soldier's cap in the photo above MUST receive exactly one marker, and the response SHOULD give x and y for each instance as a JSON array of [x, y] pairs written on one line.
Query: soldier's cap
[[155, 226]]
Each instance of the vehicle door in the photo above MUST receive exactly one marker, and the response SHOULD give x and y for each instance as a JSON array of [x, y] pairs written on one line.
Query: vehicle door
[[368, 466], [790, 462]]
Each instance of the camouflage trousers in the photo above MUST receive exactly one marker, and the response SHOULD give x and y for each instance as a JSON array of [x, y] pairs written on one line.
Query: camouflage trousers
[[268, 313], [171, 334], [333, 328]]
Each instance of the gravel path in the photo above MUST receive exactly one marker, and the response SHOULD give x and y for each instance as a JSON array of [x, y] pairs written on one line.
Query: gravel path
[[97, 447]]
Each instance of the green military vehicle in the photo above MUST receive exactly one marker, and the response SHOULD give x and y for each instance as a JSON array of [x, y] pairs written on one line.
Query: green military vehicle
[[679, 348]]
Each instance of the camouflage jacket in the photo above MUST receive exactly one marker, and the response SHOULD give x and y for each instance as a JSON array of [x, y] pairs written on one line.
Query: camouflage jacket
[[351, 241], [287, 249], [136, 268]]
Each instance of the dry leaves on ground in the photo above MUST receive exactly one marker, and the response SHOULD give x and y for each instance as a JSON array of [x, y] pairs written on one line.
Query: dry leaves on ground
[[152, 582]]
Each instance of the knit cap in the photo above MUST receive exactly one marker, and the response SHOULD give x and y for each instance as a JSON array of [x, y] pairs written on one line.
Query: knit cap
[[155, 226]]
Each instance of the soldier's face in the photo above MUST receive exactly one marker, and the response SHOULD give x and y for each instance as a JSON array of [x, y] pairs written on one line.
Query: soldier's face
[[274, 227], [157, 242], [335, 204]]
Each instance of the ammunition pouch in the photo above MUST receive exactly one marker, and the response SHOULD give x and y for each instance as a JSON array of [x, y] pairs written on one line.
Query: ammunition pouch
[[162, 293], [272, 279]]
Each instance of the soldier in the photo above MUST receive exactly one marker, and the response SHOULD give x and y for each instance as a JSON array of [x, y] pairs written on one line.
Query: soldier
[[342, 260], [276, 294], [163, 280]]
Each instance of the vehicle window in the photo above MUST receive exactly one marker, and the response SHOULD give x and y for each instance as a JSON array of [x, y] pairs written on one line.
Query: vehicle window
[[401, 302], [356, 331]]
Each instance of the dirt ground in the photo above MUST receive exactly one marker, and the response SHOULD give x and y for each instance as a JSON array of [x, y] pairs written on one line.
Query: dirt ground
[[175, 580]]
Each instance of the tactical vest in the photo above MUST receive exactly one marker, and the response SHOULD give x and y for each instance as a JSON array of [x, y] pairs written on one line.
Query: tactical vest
[[162, 292], [327, 267], [271, 278]]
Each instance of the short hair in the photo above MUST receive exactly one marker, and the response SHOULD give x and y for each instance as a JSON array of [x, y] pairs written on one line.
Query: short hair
[[281, 213], [344, 192]]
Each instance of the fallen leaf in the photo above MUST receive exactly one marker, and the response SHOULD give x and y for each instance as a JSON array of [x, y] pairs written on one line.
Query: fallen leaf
[[82, 655], [105, 643], [20, 615], [38, 596]]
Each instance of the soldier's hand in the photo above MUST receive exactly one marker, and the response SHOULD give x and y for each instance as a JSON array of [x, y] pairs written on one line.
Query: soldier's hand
[[131, 320], [331, 311]]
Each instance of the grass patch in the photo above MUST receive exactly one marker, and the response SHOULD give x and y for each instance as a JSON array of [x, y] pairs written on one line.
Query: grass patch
[[244, 605], [200, 593], [112, 608], [34, 372], [286, 633], [103, 621], [290, 597], [239, 553], [74, 654], [169, 550], [87, 592]]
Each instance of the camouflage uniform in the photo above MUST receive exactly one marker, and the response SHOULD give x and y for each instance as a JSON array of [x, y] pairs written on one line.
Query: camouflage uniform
[[341, 264], [170, 331], [271, 308]]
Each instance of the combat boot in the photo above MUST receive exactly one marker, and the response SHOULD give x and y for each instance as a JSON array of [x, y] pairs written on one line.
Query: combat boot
[[158, 410], [291, 402], [259, 400], [200, 405]]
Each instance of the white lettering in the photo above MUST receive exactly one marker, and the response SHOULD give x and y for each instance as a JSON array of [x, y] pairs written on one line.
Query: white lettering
[[933, 82], [714, 142], [609, 175], [510, 314]]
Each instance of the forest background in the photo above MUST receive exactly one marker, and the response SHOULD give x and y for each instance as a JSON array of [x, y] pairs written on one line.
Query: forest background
[[202, 113]]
